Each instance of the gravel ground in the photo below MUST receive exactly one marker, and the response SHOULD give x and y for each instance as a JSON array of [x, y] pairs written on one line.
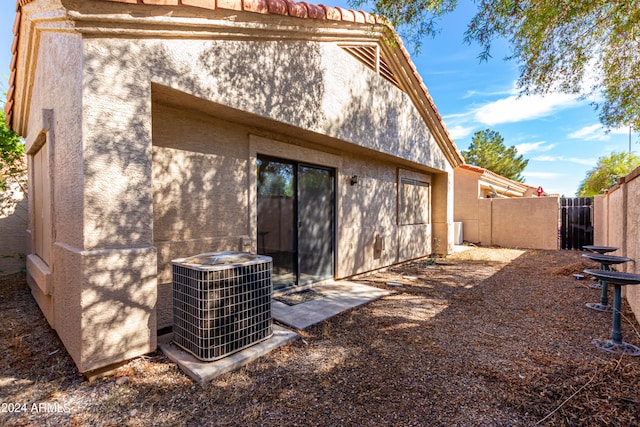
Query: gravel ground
[[487, 337]]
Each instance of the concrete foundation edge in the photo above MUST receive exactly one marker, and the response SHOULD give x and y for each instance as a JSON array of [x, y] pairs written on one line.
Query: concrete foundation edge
[[203, 372]]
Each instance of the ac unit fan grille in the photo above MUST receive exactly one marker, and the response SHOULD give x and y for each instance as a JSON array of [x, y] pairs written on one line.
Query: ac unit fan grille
[[222, 311]]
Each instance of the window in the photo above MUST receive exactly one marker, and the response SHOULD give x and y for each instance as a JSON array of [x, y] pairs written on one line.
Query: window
[[413, 202]]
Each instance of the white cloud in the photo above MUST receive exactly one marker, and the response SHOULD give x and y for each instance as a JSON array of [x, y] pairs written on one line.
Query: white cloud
[[590, 133], [544, 175], [458, 116], [519, 108], [620, 131], [528, 147], [474, 93], [546, 158], [586, 162], [596, 133], [459, 131]]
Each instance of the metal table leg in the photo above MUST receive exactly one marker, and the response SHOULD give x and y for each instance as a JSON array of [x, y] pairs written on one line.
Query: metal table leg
[[615, 344], [603, 305]]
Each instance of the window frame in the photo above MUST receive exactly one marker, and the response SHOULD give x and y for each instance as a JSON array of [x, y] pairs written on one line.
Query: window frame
[[412, 208]]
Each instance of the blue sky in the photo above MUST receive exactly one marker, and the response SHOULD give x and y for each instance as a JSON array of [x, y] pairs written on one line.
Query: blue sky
[[560, 135]]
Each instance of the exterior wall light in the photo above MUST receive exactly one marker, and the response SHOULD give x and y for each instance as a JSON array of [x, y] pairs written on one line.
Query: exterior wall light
[[354, 180]]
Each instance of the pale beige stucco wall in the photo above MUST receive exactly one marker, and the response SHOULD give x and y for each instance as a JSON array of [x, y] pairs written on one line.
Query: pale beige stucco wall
[[96, 290], [466, 204], [523, 222], [338, 97], [442, 210], [200, 197], [55, 119], [528, 222], [615, 205], [322, 89], [91, 291], [13, 225], [632, 241], [620, 227], [600, 213]]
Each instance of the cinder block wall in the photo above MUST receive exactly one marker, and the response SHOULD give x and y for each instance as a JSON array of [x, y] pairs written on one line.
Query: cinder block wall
[[466, 204], [523, 222], [528, 222]]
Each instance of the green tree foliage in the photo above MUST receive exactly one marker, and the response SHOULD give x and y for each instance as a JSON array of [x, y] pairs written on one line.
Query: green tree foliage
[[488, 151], [606, 173], [412, 19], [591, 48], [11, 152]]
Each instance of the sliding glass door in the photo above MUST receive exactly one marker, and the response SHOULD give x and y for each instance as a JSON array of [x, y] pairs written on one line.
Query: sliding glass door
[[315, 224], [296, 210]]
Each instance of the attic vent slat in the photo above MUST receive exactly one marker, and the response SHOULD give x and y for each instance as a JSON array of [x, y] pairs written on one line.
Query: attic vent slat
[[370, 56]]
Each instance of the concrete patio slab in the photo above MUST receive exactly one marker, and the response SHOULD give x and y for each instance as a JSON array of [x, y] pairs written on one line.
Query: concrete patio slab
[[337, 297], [203, 372]]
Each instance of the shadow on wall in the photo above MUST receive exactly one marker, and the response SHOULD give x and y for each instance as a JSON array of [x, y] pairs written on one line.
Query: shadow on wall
[[281, 81], [118, 295], [200, 162], [13, 225], [368, 210], [169, 173], [196, 187], [201, 170]]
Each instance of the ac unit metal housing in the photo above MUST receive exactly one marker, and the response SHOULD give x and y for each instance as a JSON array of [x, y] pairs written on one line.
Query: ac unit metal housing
[[221, 303]]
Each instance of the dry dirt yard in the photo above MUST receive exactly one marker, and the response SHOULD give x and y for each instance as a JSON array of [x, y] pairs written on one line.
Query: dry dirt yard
[[487, 337]]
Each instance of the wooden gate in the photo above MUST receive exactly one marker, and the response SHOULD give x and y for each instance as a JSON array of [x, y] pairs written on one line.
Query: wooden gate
[[576, 228]]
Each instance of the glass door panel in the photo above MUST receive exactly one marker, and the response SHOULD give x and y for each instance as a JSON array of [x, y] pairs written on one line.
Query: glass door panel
[[296, 220], [276, 219], [315, 224]]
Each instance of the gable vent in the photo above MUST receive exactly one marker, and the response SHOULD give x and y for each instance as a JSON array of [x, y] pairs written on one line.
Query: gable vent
[[371, 57]]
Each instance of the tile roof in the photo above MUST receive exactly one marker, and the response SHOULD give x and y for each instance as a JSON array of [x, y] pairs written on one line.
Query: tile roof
[[301, 10], [494, 177]]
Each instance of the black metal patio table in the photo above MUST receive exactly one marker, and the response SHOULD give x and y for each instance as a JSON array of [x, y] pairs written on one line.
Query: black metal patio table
[[618, 279], [600, 249], [605, 262]]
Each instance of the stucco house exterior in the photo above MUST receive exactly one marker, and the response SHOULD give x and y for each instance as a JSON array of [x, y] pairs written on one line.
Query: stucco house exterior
[[159, 129]]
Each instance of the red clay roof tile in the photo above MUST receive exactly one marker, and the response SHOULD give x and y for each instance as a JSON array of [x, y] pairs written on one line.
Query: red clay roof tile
[[297, 10], [314, 11], [8, 111], [16, 23], [162, 2], [227, 5], [277, 7], [259, 6], [14, 60], [205, 4]]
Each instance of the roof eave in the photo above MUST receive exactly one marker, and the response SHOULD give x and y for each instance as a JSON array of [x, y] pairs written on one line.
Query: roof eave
[[286, 9]]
